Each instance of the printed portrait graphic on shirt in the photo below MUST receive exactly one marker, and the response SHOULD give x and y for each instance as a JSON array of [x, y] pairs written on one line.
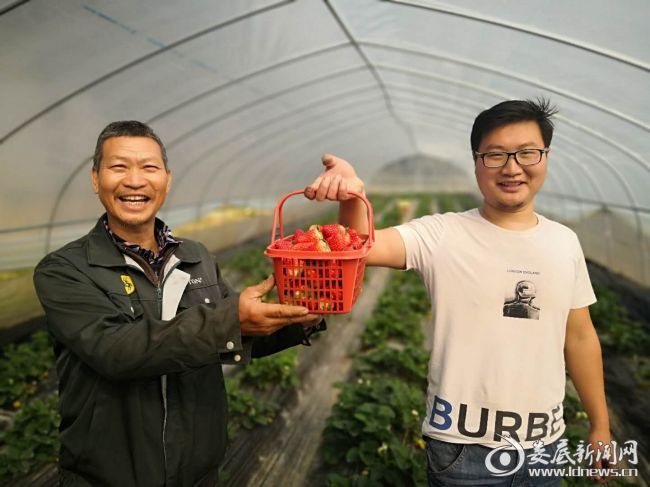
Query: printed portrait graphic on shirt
[[520, 295]]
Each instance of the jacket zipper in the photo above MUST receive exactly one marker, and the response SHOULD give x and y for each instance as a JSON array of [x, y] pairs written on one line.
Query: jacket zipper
[[155, 280], [163, 378], [159, 294]]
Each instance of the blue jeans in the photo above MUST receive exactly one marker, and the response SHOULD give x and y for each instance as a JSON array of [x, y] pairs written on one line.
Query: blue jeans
[[452, 464]]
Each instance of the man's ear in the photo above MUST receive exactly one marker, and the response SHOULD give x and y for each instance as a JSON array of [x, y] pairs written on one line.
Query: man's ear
[[93, 179]]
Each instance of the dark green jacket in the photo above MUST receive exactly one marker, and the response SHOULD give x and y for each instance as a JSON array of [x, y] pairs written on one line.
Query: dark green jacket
[[142, 398]]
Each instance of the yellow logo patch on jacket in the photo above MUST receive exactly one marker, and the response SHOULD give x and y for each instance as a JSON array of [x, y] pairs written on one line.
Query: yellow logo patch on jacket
[[129, 287]]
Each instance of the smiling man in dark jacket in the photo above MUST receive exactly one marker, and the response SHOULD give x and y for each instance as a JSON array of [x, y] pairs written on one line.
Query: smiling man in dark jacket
[[142, 323]]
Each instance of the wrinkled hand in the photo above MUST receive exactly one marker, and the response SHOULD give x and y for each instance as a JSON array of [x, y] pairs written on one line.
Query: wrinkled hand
[[335, 181], [258, 318], [598, 439]]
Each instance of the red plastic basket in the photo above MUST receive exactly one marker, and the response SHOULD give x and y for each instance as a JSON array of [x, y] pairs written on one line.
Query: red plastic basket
[[323, 282]]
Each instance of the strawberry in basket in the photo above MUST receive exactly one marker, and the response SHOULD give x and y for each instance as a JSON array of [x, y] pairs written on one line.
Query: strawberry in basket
[[326, 238]]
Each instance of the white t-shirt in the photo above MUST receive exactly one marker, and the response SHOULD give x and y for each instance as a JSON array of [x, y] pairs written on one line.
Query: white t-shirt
[[500, 301]]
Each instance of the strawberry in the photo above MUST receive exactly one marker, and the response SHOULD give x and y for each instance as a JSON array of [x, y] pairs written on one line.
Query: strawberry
[[321, 246], [293, 269], [315, 233], [282, 244], [329, 230], [346, 238], [355, 240], [305, 237], [333, 273], [310, 246], [324, 305], [316, 230], [337, 242]]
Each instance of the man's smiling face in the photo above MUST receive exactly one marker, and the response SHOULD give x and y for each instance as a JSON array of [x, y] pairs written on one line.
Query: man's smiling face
[[132, 181], [512, 187]]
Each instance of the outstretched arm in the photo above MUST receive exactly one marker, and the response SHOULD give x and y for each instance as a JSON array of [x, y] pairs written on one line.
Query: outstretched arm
[[334, 183], [104, 331]]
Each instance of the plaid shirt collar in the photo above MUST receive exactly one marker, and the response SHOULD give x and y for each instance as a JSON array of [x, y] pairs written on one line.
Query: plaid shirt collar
[[163, 237]]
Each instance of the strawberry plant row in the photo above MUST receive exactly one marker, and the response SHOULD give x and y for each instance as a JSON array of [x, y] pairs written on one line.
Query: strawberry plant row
[[249, 403], [616, 328], [29, 436], [32, 440], [373, 434], [22, 367]]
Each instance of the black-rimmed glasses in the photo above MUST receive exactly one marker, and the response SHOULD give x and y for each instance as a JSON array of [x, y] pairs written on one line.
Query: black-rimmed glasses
[[524, 157]]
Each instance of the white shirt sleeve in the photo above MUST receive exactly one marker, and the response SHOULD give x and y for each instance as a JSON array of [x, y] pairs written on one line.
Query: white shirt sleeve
[[421, 238]]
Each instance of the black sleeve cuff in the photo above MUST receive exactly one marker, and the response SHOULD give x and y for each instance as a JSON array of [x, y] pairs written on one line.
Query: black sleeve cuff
[[286, 337], [241, 356], [322, 326]]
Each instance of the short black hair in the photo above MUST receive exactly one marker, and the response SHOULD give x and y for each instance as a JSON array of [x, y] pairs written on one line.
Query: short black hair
[[513, 111], [125, 128]]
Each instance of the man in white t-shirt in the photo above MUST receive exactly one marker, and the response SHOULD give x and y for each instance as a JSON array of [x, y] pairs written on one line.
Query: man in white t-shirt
[[510, 294]]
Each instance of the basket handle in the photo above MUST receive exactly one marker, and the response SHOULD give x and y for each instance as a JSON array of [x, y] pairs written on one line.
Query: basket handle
[[277, 215]]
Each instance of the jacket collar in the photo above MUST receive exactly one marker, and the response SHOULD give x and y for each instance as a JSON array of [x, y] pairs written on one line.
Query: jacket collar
[[104, 253]]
